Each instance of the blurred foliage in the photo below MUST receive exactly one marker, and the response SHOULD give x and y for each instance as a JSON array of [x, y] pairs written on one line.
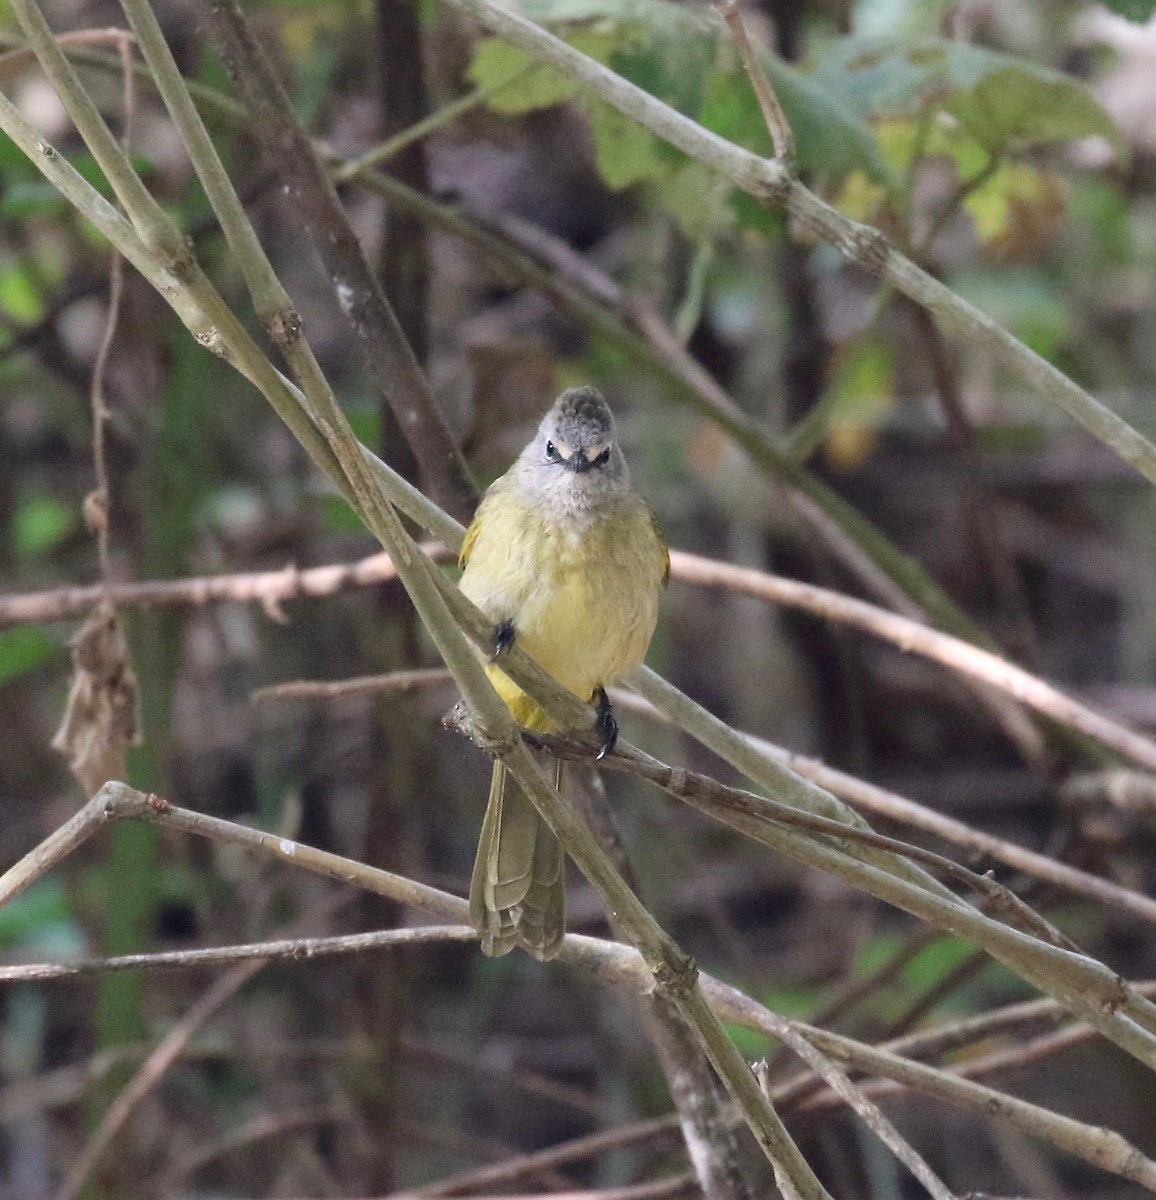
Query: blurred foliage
[[1135, 10]]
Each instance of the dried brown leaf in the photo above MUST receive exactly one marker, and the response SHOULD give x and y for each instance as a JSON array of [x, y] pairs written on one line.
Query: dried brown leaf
[[100, 717]]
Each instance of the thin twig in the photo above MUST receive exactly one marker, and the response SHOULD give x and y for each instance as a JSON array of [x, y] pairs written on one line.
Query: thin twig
[[150, 1074], [366, 685], [700, 790], [15, 61], [891, 805], [854, 1097], [295, 949], [391, 147], [777, 124], [273, 588], [98, 503]]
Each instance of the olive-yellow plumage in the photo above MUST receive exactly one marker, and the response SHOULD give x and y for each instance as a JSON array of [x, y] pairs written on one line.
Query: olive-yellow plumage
[[568, 560]]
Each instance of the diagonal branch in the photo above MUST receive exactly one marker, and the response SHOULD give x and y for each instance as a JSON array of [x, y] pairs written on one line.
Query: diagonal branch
[[389, 360], [919, 639]]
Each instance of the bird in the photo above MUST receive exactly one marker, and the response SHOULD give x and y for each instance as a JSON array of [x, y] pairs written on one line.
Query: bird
[[568, 562]]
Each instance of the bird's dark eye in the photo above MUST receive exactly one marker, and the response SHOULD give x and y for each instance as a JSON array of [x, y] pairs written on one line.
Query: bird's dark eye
[[603, 458], [551, 452]]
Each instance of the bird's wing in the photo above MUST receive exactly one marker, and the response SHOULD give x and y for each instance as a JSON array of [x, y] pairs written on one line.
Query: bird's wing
[[661, 541], [468, 542]]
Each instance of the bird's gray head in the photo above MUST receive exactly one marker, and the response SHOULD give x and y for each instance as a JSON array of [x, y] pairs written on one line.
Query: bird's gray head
[[574, 457]]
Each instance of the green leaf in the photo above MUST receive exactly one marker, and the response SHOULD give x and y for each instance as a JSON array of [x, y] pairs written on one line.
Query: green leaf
[[626, 152], [338, 517], [23, 650], [667, 57], [936, 962], [39, 523], [365, 421], [874, 953], [685, 58], [863, 386], [27, 198], [88, 169], [14, 163], [20, 294], [1015, 107], [1139, 11], [524, 85], [694, 195], [750, 214], [1001, 100], [829, 139], [751, 1043]]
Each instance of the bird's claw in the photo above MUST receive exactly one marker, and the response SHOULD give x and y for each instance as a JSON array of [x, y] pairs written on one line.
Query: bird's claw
[[503, 637], [605, 724]]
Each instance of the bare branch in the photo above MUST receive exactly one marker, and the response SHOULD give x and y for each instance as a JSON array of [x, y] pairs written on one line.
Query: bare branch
[[777, 124], [366, 685], [920, 639], [285, 948], [269, 588], [389, 359]]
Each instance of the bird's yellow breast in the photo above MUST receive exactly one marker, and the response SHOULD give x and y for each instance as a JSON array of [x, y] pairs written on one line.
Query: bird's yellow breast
[[580, 589]]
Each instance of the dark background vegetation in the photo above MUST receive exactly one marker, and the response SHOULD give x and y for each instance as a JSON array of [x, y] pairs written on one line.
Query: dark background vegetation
[[394, 1070]]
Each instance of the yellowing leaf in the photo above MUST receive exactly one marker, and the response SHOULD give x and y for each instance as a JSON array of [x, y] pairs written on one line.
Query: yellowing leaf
[[898, 141], [1018, 211], [1004, 102], [859, 198], [859, 397]]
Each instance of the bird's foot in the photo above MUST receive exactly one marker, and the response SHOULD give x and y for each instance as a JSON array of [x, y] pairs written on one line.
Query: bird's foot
[[503, 637], [605, 723]]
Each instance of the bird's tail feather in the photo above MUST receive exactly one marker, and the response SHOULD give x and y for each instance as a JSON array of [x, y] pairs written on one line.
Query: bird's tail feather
[[516, 893]]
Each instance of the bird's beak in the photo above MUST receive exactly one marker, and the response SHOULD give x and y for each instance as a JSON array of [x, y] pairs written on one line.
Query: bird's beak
[[579, 463]]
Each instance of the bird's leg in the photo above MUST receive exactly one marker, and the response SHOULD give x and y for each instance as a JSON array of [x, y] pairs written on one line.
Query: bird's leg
[[503, 637], [605, 723]]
